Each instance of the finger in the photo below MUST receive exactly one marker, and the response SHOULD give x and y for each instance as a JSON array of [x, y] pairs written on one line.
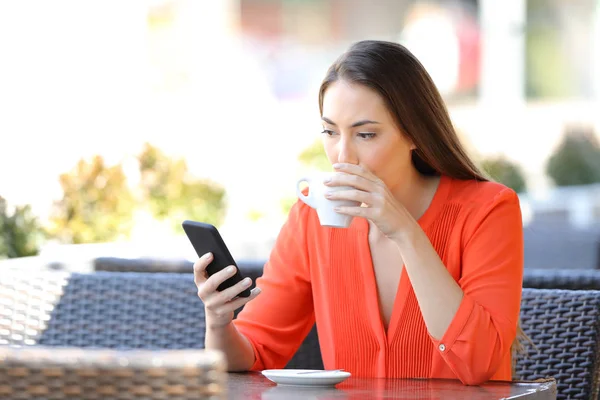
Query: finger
[[230, 293], [355, 169], [349, 179], [355, 195], [200, 268], [212, 283], [364, 212], [237, 303]]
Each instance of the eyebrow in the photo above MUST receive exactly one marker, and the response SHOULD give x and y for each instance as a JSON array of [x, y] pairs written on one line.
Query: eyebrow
[[354, 125]]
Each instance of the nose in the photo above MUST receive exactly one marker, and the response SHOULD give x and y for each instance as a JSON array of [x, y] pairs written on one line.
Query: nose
[[347, 152]]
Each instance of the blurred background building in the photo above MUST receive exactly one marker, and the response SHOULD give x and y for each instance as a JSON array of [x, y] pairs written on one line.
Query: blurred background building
[[121, 119]]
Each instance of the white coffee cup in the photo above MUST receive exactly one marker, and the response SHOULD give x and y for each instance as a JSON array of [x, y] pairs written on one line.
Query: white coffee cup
[[324, 207]]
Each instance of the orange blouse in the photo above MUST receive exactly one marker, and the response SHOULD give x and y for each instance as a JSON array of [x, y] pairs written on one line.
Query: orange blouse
[[326, 275]]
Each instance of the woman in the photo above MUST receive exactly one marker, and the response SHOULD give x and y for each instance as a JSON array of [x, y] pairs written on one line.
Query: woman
[[426, 282]]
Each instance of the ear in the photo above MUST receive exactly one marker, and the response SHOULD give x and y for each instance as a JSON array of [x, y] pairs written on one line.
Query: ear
[[411, 145], [407, 140]]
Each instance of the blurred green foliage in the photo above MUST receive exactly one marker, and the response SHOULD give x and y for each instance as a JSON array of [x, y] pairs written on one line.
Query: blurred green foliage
[[20, 231], [96, 206], [505, 172], [576, 161], [99, 205], [173, 194]]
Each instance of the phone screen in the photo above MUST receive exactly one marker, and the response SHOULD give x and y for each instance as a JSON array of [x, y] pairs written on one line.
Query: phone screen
[[206, 238]]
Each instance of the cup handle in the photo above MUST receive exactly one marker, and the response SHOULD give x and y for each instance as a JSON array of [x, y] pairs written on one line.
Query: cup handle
[[307, 199]]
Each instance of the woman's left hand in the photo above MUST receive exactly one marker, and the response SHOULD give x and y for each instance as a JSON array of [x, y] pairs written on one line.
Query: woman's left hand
[[381, 207]]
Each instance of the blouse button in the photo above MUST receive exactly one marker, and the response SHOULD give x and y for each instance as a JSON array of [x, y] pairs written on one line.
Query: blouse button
[[442, 347]]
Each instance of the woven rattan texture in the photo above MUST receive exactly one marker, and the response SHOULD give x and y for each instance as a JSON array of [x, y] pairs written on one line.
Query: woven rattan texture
[[114, 310], [26, 303], [37, 372], [563, 326], [162, 311], [127, 311]]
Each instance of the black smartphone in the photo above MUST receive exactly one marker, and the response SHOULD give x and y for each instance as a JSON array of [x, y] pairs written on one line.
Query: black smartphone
[[205, 238]]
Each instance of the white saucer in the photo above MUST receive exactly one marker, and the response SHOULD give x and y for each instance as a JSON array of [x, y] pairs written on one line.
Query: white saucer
[[316, 378]]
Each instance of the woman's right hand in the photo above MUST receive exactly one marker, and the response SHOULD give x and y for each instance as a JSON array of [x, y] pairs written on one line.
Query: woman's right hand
[[219, 306]]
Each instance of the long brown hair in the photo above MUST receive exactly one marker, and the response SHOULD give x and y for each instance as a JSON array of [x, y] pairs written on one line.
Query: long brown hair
[[414, 101], [417, 106]]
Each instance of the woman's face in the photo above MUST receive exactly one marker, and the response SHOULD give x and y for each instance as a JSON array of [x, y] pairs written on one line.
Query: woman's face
[[358, 129]]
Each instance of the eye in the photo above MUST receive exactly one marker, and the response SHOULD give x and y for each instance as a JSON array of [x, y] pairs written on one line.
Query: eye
[[328, 132], [366, 135]]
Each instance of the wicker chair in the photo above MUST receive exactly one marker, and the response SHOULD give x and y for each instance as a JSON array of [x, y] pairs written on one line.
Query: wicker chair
[[111, 310], [308, 355], [51, 373], [564, 328], [26, 303], [160, 311]]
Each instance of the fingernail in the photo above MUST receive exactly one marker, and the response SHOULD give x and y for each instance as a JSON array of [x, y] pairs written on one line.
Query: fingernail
[[247, 282], [257, 290], [328, 194], [230, 269], [327, 180], [337, 166], [208, 256]]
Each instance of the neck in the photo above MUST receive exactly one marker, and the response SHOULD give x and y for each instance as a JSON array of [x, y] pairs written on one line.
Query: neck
[[416, 193]]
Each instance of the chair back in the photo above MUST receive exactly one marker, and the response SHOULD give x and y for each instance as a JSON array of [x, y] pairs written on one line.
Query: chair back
[[27, 301], [111, 310], [564, 328], [127, 311]]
